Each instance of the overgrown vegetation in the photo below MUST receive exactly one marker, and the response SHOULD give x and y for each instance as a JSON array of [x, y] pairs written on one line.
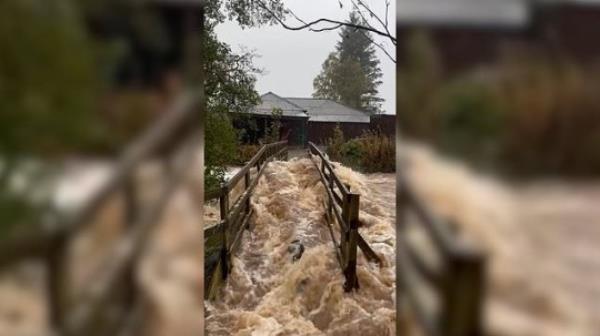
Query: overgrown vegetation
[[371, 152], [524, 114], [221, 150]]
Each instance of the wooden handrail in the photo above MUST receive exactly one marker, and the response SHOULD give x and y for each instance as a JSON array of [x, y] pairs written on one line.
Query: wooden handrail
[[233, 181], [313, 149], [348, 218], [235, 219]]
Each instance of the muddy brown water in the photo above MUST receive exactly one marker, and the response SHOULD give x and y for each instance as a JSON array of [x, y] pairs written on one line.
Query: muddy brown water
[[543, 239]]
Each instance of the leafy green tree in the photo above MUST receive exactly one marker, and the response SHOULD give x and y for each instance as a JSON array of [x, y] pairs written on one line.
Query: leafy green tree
[[351, 74], [229, 88], [220, 148], [335, 143]]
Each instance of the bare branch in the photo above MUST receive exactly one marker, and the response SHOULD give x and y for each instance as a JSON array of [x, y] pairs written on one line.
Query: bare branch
[[380, 46], [359, 11], [310, 27], [336, 24], [384, 24]]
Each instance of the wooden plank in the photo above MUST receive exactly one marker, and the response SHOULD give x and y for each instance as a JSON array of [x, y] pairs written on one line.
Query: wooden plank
[[367, 250]]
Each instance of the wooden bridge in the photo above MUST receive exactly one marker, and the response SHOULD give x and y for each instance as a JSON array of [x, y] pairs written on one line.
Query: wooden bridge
[[445, 298]]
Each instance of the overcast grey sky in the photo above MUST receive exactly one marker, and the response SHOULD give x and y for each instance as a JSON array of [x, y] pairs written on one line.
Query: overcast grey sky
[[292, 59]]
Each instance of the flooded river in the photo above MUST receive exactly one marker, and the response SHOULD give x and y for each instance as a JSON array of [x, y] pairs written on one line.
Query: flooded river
[[269, 294]]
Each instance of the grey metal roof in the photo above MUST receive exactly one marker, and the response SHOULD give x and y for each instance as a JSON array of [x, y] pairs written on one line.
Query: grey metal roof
[[325, 110], [510, 13], [269, 101]]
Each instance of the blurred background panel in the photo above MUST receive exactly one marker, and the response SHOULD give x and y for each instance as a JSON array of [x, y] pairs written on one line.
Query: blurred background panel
[[99, 105]]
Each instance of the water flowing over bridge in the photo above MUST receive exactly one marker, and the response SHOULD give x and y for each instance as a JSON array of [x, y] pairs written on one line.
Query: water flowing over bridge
[[305, 248]]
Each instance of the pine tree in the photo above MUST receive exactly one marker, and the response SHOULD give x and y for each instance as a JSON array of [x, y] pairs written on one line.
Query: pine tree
[[351, 74]]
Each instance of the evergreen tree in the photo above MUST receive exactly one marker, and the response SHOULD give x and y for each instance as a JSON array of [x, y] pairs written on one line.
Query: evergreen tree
[[351, 74]]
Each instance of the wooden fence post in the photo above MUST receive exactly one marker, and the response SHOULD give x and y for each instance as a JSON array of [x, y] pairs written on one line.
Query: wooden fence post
[[330, 203], [247, 184], [462, 295], [131, 215], [57, 282], [351, 237], [224, 209]]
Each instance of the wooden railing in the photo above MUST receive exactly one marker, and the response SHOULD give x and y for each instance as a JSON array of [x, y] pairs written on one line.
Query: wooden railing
[[344, 204], [227, 234], [172, 134], [445, 289]]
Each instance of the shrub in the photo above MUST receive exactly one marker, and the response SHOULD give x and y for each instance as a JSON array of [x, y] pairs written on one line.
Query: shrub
[[371, 152], [245, 153], [351, 153], [334, 144], [526, 113], [472, 124], [553, 115], [377, 153]]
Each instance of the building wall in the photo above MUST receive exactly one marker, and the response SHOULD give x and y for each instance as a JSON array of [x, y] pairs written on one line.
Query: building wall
[[294, 130], [319, 132], [384, 123], [559, 30], [573, 30], [456, 46]]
